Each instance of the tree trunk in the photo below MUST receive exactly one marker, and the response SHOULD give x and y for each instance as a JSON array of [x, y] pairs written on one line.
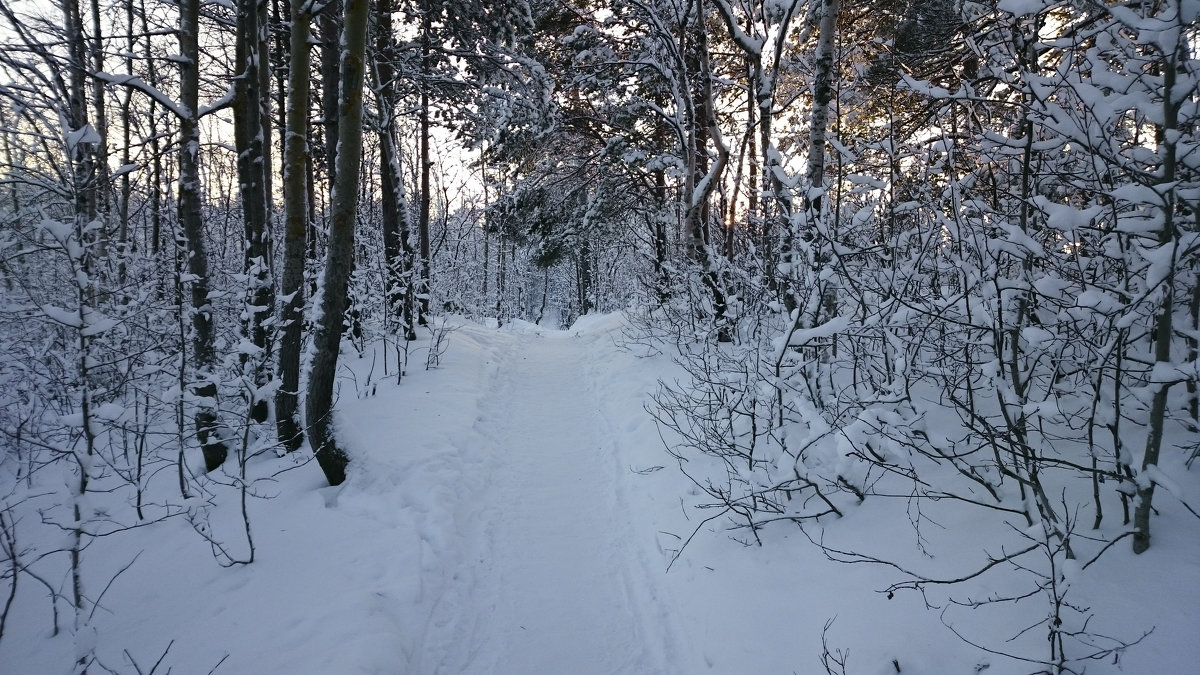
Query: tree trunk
[[703, 179], [100, 179], [249, 137], [426, 195], [1193, 343], [585, 278], [81, 144], [157, 190], [207, 417], [81, 155], [330, 26], [339, 259], [662, 273], [126, 141], [296, 223], [398, 251], [822, 91], [1164, 322]]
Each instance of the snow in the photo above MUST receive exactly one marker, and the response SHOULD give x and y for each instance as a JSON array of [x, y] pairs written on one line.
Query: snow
[[1021, 7], [86, 135], [66, 317], [514, 511]]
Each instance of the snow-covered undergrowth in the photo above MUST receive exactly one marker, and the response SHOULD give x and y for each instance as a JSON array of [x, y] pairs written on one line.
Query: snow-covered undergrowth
[[515, 510], [887, 452]]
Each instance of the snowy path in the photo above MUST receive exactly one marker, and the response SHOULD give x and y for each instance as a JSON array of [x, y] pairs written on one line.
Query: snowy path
[[552, 582]]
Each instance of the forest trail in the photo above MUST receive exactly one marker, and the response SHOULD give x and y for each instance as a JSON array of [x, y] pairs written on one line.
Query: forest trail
[[512, 511], [550, 579]]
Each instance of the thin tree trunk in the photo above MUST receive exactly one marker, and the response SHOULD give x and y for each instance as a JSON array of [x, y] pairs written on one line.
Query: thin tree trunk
[[426, 195], [822, 97], [126, 142], [703, 179], [100, 179], [585, 278], [818, 129], [662, 274], [1193, 343], [156, 191], [207, 418], [501, 282], [82, 143], [296, 224], [330, 25], [752, 140], [398, 251], [1164, 322], [250, 134], [82, 158]]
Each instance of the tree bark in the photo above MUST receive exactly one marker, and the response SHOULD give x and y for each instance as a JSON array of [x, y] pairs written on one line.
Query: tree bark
[[330, 35], [703, 179], [100, 179], [81, 146], [296, 224], [1164, 322], [662, 273], [339, 259], [398, 251], [250, 133], [822, 89], [207, 417], [426, 196]]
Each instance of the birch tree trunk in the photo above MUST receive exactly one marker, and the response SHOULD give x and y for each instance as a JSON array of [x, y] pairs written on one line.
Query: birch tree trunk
[[822, 97], [818, 128]]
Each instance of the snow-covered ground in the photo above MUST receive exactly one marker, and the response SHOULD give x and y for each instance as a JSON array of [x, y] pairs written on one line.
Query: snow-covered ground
[[513, 511]]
